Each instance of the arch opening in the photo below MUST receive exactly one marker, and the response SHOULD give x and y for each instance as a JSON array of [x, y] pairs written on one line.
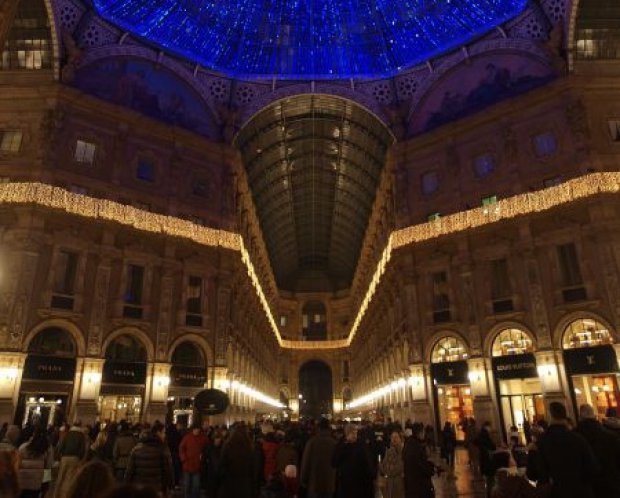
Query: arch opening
[[123, 380], [47, 381], [315, 390]]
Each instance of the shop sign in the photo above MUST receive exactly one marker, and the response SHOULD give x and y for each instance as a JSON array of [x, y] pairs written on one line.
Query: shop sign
[[41, 367], [188, 376], [118, 372], [450, 372], [517, 366], [596, 359], [211, 402]]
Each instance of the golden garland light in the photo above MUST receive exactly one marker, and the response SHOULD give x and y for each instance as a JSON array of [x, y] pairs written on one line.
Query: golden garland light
[[531, 202]]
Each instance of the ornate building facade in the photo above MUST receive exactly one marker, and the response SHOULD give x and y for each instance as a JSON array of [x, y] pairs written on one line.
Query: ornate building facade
[[444, 240]]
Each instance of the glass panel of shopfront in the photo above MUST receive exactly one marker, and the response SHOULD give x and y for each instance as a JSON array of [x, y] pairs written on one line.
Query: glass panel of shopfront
[[188, 376], [453, 399], [591, 365], [123, 380]]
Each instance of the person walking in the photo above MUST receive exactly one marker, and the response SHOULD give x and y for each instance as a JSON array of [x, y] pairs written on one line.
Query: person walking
[[93, 480], [124, 443], [567, 462], [150, 462], [236, 473], [448, 444], [417, 467], [9, 480], [317, 475], [71, 450], [486, 447], [392, 468], [36, 458], [606, 447], [355, 472], [190, 453]]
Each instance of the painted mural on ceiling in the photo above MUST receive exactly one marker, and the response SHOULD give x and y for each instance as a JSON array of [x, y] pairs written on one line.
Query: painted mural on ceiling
[[150, 90], [472, 87]]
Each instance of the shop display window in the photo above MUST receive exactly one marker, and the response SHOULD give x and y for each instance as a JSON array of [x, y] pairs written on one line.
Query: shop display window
[[449, 349], [600, 391], [586, 332], [115, 408], [512, 341], [455, 405]]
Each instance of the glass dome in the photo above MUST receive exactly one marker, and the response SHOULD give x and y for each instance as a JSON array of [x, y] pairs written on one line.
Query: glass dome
[[312, 39]]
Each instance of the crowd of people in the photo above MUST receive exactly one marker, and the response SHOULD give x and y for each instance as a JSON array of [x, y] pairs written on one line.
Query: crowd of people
[[309, 459]]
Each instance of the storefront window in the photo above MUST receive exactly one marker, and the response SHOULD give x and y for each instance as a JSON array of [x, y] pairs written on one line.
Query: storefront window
[[586, 332], [512, 341], [188, 376], [449, 349], [449, 370], [591, 365], [123, 381], [52, 341]]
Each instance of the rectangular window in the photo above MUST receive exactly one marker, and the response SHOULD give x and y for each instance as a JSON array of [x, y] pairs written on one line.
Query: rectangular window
[[434, 216], [200, 188], [484, 165], [488, 200], [85, 152], [614, 130], [135, 283], [10, 141], [545, 144], [430, 182], [145, 171], [194, 295], [500, 279], [282, 320], [65, 272], [569, 265]]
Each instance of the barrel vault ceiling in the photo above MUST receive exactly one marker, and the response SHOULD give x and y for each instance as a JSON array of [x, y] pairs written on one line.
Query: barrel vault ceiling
[[313, 164]]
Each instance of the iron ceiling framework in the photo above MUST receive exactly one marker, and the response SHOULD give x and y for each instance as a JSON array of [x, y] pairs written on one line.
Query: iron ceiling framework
[[313, 165]]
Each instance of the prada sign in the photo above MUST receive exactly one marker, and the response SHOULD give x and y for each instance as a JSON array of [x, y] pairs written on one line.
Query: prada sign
[[451, 372], [119, 372], [518, 366], [41, 367], [188, 376], [597, 359]]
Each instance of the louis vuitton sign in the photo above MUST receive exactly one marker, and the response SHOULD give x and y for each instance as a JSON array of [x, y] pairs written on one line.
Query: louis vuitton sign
[[597, 359], [517, 366], [451, 372]]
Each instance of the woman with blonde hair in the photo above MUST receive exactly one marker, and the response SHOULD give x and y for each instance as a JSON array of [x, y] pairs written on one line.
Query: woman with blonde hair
[[93, 479]]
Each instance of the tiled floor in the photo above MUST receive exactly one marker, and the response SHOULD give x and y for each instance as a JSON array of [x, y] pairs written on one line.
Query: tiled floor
[[461, 483]]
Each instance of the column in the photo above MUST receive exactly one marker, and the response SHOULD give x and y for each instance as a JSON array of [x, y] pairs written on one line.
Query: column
[[419, 383], [157, 382], [89, 384], [11, 370], [482, 395], [550, 366]]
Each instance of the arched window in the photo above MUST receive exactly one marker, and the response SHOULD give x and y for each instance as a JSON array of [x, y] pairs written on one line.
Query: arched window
[[188, 354], [53, 341], [449, 348], [586, 332], [598, 30], [512, 341], [29, 44], [127, 349], [314, 321]]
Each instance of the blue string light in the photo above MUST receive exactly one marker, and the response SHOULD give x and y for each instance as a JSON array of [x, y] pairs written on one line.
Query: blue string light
[[309, 39]]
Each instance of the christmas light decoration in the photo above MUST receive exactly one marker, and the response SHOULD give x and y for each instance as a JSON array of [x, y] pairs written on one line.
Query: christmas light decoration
[[48, 196], [313, 39]]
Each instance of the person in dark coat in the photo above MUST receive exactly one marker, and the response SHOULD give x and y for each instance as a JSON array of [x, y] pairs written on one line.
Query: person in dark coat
[[606, 447], [212, 458], [150, 462], [448, 443], [566, 459], [418, 469], [237, 470], [354, 469], [317, 475], [486, 447]]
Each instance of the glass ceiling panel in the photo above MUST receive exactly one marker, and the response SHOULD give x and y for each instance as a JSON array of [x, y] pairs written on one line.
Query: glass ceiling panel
[[312, 39]]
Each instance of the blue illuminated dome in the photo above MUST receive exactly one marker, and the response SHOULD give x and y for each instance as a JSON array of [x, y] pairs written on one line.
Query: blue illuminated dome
[[309, 39]]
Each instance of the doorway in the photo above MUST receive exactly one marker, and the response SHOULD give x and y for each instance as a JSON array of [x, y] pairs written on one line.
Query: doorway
[[315, 390]]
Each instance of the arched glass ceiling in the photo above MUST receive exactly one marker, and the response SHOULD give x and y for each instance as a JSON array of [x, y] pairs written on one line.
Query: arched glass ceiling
[[313, 165], [311, 39]]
